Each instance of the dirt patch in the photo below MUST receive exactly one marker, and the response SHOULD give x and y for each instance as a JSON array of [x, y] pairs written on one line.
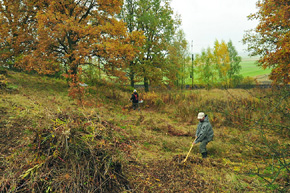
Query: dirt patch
[[208, 162]]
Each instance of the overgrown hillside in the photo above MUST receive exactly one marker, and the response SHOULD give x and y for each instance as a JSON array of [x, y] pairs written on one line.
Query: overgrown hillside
[[49, 143]]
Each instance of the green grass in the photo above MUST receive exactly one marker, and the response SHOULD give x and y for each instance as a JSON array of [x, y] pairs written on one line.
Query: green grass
[[250, 68]]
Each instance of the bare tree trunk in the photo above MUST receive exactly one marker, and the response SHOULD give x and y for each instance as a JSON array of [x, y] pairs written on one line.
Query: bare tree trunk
[[132, 75], [146, 84]]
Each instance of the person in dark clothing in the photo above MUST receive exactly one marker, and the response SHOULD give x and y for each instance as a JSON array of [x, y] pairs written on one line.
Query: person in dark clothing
[[204, 133], [135, 100]]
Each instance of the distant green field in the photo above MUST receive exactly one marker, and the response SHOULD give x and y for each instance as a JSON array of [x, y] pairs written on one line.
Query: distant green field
[[250, 68]]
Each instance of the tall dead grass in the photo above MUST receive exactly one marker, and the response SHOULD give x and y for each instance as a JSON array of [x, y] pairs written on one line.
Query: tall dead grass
[[48, 144], [261, 119], [108, 148]]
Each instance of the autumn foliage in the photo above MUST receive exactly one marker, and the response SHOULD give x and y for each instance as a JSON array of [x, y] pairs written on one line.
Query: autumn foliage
[[219, 66], [52, 36], [17, 33], [271, 38]]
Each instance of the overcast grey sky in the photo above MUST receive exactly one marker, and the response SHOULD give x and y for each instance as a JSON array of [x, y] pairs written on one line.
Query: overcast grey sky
[[204, 21]]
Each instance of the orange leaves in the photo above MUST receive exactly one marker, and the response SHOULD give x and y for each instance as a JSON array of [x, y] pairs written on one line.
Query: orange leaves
[[137, 38], [53, 36], [115, 28], [110, 6], [16, 30], [271, 39]]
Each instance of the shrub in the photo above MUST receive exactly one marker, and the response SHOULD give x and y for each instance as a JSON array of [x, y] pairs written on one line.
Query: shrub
[[3, 81], [248, 81]]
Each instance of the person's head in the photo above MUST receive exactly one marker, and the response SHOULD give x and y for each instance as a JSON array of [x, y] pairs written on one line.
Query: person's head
[[201, 116], [134, 90]]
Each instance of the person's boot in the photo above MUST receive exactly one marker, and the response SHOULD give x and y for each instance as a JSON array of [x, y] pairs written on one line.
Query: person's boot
[[204, 155]]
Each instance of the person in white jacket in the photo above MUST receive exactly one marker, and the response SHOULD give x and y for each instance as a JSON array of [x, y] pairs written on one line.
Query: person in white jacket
[[204, 133]]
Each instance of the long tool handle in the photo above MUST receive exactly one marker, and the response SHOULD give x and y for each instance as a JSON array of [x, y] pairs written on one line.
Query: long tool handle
[[188, 153]]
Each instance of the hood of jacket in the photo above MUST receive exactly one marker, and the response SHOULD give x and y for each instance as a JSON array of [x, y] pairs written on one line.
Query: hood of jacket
[[206, 119]]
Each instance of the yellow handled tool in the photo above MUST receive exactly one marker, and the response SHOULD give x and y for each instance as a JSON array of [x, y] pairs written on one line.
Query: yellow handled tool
[[188, 153]]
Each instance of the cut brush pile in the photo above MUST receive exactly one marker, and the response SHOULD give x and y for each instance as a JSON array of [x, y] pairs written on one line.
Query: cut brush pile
[[48, 144], [72, 155]]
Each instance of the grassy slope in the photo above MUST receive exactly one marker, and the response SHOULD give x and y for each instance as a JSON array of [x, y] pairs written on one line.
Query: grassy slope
[[151, 143]]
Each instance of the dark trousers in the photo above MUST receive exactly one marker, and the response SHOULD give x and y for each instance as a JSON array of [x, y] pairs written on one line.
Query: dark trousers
[[135, 106], [202, 146]]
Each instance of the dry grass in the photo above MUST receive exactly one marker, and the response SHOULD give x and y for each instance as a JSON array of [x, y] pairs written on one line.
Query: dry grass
[[51, 144], [239, 141]]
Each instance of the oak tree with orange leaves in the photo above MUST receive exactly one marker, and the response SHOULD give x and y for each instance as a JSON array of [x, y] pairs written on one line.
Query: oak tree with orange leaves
[[69, 33], [17, 32], [271, 38]]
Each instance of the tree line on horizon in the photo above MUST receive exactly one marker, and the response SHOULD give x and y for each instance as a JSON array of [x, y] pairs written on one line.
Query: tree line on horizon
[[131, 41]]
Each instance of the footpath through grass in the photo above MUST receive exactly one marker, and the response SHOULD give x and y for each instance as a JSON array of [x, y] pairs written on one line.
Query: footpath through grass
[[49, 143]]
